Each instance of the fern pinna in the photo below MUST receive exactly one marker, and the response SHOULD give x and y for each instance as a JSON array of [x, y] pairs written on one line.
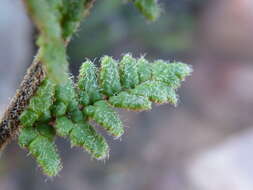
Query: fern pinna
[[50, 103], [131, 84]]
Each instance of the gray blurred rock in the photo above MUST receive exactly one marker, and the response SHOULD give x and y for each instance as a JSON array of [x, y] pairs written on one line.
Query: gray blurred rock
[[227, 166]]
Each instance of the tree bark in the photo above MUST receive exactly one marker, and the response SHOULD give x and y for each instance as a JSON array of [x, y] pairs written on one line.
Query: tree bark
[[10, 120]]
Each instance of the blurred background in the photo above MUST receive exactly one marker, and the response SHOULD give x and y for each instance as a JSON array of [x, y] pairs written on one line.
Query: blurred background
[[206, 143]]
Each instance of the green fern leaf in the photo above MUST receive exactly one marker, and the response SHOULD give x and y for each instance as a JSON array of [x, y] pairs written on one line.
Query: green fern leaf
[[161, 71], [128, 72], [72, 13], [65, 92], [130, 101], [44, 151], [88, 82], [131, 84], [26, 136], [28, 118], [39, 141], [156, 91], [45, 117], [144, 70], [109, 76], [63, 126], [84, 135], [61, 107], [105, 116]]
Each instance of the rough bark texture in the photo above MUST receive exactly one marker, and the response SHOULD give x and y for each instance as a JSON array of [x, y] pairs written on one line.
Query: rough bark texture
[[9, 124]]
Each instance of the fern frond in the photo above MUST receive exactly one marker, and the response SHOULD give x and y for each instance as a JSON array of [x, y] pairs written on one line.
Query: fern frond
[[56, 106], [130, 83]]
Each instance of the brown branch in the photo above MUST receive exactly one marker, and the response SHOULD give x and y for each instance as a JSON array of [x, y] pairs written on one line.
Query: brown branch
[[9, 124]]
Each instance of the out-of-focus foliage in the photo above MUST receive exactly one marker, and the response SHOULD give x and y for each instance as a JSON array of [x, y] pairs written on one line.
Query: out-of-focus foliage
[[149, 8]]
